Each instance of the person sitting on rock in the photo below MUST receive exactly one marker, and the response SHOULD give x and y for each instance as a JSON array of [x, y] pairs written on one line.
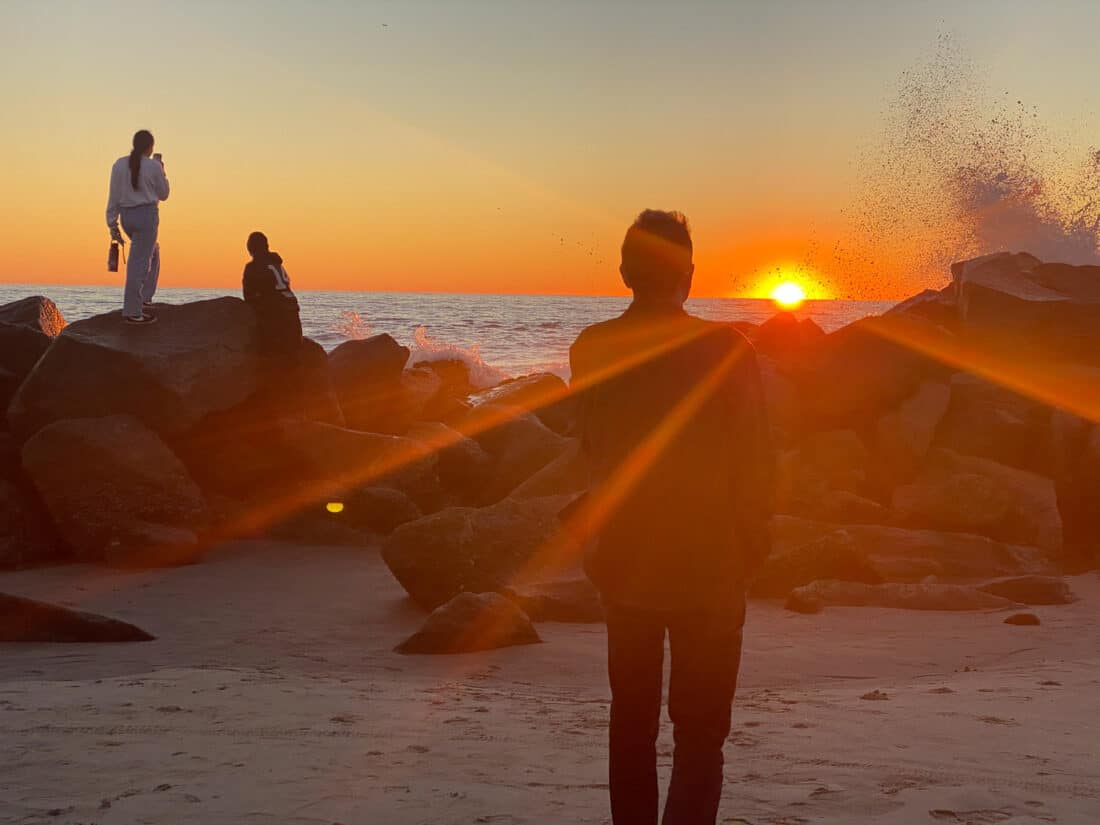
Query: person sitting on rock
[[267, 291], [681, 467]]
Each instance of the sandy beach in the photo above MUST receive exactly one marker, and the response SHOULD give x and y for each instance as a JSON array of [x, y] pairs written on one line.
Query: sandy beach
[[272, 695]]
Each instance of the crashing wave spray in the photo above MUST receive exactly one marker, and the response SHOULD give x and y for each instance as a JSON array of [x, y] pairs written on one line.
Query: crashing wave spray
[[958, 174]]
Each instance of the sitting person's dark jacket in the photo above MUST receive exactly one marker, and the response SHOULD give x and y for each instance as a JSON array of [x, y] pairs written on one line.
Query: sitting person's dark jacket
[[267, 290]]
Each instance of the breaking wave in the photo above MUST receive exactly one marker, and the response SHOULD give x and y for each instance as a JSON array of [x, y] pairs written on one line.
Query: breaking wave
[[958, 172], [426, 348]]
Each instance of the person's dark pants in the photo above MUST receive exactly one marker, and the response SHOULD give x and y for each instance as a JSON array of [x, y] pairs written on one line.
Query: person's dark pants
[[705, 653]]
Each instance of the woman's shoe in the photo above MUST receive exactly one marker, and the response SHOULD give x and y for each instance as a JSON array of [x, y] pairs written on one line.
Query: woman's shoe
[[141, 320]]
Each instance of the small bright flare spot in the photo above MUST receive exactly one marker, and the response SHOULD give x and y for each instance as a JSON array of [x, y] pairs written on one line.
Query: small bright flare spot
[[788, 295], [335, 506]]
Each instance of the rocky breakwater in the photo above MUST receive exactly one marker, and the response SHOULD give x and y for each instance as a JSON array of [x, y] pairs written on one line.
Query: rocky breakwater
[[925, 454], [950, 441]]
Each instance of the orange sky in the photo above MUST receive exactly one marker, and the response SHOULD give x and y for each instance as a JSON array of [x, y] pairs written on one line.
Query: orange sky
[[468, 146]]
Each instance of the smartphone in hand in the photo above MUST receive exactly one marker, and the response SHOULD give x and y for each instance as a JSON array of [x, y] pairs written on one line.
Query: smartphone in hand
[[159, 158]]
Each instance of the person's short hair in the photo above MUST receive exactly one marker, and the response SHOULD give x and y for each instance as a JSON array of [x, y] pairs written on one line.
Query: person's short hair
[[657, 249], [257, 243]]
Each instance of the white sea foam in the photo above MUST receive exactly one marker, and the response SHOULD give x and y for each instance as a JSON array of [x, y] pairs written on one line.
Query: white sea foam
[[426, 348]]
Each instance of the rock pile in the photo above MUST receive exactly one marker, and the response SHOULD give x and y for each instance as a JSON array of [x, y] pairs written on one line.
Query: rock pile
[[923, 453]]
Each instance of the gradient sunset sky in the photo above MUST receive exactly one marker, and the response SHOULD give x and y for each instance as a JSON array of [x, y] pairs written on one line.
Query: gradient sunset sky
[[493, 146]]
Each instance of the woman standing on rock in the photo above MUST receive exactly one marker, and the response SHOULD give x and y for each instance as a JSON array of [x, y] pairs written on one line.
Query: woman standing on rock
[[138, 184]]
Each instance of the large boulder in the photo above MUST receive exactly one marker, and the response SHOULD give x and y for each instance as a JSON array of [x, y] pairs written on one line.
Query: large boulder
[[936, 305], [839, 457], [544, 394], [99, 477], [898, 554], [786, 338], [1031, 589], [311, 394], [902, 436], [905, 596], [366, 375], [866, 368], [27, 620], [36, 312], [471, 622], [518, 442], [450, 401], [1081, 507], [781, 400], [21, 348], [379, 509], [833, 556], [565, 475], [26, 535], [144, 546], [559, 600], [975, 495], [334, 462], [478, 550], [197, 359], [463, 465], [1007, 298], [987, 420], [844, 507]]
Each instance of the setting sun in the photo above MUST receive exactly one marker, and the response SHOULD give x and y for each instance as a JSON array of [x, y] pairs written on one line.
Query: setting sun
[[788, 295]]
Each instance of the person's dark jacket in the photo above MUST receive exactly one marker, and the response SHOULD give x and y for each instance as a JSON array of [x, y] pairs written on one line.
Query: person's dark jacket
[[267, 290], [681, 465]]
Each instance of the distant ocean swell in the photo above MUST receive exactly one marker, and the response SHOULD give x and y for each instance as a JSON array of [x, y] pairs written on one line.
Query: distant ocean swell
[[497, 335]]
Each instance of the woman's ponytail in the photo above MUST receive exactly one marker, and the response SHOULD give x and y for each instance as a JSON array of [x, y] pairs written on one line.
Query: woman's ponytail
[[143, 142]]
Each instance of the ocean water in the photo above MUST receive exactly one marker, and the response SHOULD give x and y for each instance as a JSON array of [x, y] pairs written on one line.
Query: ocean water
[[500, 335]]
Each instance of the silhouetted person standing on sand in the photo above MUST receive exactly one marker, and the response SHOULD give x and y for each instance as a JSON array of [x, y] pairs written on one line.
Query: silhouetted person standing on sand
[[681, 490], [138, 184], [267, 290]]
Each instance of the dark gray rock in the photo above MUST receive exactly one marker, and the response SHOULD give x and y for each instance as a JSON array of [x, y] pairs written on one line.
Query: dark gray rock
[[1040, 590], [865, 369], [27, 620], [21, 348], [799, 602], [785, 338], [903, 555], [99, 477], [1004, 299], [197, 359], [462, 464], [833, 556], [543, 394], [518, 443], [334, 462], [562, 600], [843, 507], [908, 596], [478, 550], [565, 475], [904, 435], [989, 421], [471, 622], [26, 535], [955, 492], [37, 312], [366, 376], [379, 509], [143, 546]]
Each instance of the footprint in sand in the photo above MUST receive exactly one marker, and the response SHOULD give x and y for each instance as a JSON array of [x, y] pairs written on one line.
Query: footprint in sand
[[876, 696], [984, 817], [996, 720]]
